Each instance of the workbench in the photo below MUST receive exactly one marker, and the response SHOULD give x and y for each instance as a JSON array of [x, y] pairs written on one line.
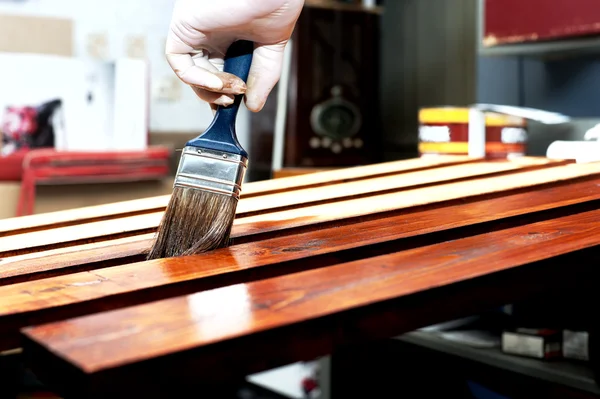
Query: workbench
[[318, 263]]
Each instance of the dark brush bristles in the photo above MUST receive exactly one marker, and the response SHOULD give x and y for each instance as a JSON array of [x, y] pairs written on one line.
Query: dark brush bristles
[[186, 232]]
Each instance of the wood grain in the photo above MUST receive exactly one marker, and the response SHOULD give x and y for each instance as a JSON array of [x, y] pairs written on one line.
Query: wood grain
[[144, 223], [154, 204], [355, 173], [318, 261], [113, 347], [382, 185], [437, 194], [88, 214], [74, 258], [44, 254], [250, 217], [80, 293], [79, 234]]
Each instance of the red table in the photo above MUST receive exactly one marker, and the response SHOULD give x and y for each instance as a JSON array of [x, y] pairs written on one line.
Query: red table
[[48, 166]]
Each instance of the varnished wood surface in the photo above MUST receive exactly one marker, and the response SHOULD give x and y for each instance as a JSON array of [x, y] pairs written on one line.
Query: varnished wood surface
[[115, 345], [78, 216], [74, 258], [78, 234], [354, 254], [155, 204], [94, 222], [80, 292], [147, 222], [312, 210], [66, 246]]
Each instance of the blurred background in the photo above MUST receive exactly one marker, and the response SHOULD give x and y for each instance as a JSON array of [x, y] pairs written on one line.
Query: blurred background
[[90, 111]]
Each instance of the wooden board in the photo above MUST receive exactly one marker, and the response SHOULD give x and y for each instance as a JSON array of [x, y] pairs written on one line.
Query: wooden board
[[112, 287], [129, 346], [86, 256], [154, 204], [301, 198], [313, 265]]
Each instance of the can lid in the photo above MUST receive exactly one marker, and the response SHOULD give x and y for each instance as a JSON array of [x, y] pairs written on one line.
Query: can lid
[[461, 115]]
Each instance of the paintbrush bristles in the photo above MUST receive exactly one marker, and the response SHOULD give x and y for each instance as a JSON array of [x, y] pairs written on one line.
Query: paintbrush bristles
[[195, 221]]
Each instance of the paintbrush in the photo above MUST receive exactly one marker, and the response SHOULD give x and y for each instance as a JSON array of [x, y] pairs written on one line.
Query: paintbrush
[[207, 186]]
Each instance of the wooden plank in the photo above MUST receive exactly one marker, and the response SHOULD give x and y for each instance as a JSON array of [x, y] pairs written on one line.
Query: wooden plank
[[88, 214], [356, 173], [308, 313], [382, 185], [289, 172], [146, 223], [113, 287], [304, 212], [74, 258], [154, 204], [285, 222], [78, 234], [437, 194]]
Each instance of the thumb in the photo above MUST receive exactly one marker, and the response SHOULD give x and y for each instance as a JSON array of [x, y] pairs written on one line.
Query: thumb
[[264, 74]]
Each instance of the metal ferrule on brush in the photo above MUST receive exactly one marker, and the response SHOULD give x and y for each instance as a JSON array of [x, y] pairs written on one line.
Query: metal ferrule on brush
[[215, 171]]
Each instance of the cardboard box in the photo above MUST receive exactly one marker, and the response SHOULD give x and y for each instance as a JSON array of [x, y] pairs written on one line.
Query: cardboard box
[[575, 345], [536, 343], [40, 35]]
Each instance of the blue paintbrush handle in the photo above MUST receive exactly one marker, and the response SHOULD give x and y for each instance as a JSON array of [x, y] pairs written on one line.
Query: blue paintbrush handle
[[221, 134]]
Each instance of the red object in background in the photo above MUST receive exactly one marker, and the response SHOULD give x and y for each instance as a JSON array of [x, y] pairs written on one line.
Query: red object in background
[[48, 166], [521, 21], [11, 168], [19, 121], [309, 385]]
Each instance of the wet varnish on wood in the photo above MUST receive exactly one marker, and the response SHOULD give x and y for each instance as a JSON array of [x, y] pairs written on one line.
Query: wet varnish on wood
[[321, 260]]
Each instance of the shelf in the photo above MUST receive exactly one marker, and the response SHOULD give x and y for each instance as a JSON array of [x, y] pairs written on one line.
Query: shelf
[[569, 374], [547, 49], [285, 381]]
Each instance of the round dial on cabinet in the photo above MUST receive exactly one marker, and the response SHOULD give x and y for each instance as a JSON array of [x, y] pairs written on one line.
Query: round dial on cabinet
[[336, 118]]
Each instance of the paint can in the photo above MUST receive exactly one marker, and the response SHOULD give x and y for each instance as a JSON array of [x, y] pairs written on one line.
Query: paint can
[[452, 130]]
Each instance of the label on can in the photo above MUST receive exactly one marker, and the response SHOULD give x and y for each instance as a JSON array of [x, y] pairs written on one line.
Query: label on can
[[446, 131]]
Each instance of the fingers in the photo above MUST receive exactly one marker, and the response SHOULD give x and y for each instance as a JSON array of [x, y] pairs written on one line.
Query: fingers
[[212, 97], [198, 69], [264, 74], [184, 67], [195, 69], [231, 83]]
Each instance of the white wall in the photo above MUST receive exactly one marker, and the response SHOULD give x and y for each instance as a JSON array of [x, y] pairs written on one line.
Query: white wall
[[119, 22]]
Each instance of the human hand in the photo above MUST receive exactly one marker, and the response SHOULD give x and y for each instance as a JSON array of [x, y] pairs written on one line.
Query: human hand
[[201, 32]]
